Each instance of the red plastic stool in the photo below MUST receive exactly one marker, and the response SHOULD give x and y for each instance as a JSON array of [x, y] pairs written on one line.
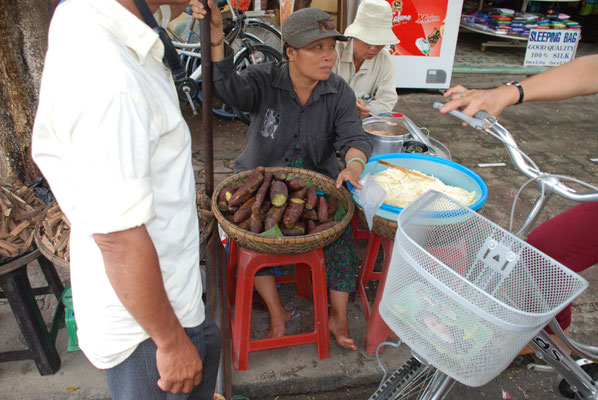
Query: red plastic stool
[[376, 329], [359, 234], [248, 262]]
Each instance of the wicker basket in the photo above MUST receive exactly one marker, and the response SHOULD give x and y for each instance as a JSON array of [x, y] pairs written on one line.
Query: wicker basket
[[382, 226], [286, 244], [46, 252]]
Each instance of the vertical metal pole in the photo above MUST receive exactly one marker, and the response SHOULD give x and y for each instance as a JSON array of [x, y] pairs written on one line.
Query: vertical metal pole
[[216, 293]]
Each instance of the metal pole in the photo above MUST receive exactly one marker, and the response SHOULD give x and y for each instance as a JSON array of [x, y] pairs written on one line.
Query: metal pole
[[216, 261]]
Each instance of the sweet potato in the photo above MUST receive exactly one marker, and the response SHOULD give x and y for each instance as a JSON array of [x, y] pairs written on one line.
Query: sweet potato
[[262, 191], [229, 192], [309, 215], [280, 175], [296, 230], [245, 224], [322, 209], [278, 193], [244, 211], [232, 210], [299, 194], [323, 227], [310, 226], [256, 221], [293, 212], [294, 184], [265, 207], [245, 191], [222, 201], [332, 207], [311, 198], [273, 216]]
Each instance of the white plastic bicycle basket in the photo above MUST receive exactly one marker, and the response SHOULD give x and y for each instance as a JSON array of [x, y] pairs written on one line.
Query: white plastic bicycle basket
[[464, 293]]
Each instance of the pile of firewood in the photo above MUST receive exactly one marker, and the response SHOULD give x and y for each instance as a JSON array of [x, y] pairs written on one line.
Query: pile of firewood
[[19, 209], [54, 232]]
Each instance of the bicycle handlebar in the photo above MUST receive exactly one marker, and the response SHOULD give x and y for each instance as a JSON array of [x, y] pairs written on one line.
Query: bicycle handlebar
[[485, 122]]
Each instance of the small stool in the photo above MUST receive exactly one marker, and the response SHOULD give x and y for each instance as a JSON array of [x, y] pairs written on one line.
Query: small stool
[[359, 234], [21, 297], [247, 263], [376, 329]]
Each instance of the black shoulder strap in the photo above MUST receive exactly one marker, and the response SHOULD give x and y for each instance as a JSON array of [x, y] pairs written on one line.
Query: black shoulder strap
[[171, 57]]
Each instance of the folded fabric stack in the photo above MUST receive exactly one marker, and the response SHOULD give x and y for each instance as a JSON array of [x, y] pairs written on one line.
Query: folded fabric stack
[[504, 21]]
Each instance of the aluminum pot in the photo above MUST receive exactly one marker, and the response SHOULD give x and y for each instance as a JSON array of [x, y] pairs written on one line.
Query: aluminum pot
[[387, 134]]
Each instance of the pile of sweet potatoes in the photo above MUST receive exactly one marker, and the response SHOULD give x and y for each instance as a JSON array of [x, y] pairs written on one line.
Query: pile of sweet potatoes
[[278, 204]]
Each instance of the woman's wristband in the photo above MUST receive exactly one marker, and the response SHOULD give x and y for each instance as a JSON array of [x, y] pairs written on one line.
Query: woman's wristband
[[218, 43], [519, 88], [356, 159]]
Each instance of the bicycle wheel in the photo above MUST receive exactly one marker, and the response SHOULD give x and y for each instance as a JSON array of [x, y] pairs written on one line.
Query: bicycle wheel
[[266, 32], [414, 380], [249, 55]]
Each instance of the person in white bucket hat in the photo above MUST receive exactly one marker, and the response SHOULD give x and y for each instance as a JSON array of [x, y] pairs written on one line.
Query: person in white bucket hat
[[362, 62]]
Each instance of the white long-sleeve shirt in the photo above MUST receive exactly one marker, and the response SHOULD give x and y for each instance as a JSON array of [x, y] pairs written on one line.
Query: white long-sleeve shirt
[[110, 139]]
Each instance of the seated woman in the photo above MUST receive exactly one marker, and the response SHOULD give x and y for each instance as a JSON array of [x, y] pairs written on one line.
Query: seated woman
[[302, 114], [362, 62]]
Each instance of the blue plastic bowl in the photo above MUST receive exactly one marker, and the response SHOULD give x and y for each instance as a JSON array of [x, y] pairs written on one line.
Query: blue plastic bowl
[[447, 171]]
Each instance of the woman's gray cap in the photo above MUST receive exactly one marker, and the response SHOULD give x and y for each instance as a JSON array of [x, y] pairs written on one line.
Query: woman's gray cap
[[308, 25]]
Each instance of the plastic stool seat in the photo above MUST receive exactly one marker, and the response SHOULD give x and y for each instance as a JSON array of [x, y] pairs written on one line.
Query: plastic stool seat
[[307, 265], [376, 329]]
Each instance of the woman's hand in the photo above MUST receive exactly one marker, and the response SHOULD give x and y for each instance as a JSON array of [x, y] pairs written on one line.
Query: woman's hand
[[351, 173], [199, 12], [493, 101]]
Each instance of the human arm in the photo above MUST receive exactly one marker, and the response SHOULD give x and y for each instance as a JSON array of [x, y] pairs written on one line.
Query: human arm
[[353, 169], [575, 78], [133, 270], [216, 31]]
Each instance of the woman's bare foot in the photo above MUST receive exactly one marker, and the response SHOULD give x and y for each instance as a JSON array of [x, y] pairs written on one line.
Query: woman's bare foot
[[340, 330], [278, 324]]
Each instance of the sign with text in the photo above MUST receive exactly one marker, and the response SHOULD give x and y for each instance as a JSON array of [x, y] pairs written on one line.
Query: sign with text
[[551, 47]]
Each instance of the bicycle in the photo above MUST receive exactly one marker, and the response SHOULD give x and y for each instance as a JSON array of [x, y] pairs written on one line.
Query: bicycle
[[250, 38], [418, 378]]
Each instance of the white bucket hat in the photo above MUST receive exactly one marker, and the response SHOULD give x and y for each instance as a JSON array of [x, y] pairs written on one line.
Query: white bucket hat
[[373, 23]]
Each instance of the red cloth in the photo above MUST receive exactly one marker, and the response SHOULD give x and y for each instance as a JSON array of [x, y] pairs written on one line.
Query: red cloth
[[571, 238]]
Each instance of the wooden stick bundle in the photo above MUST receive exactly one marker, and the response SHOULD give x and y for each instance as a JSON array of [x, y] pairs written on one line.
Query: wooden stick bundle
[[19, 209]]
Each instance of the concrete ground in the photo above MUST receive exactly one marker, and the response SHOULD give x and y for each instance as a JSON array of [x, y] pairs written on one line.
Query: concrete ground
[[560, 137]]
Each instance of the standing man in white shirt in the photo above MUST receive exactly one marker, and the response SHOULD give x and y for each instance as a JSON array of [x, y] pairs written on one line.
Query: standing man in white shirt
[[110, 139], [364, 63]]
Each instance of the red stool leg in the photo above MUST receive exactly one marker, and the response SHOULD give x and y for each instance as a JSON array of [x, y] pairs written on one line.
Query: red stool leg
[[302, 273], [366, 272], [320, 296], [241, 328], [359, 234], [231, 270], [377, 331]]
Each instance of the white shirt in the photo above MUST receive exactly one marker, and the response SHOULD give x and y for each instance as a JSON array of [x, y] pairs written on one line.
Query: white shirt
[[110, 139], [375, 78]]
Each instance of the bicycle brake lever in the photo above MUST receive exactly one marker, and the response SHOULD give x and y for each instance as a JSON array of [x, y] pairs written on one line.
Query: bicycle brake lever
[[481, 121]]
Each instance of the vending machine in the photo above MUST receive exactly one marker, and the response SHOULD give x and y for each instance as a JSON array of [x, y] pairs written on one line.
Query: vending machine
[[427, 30]]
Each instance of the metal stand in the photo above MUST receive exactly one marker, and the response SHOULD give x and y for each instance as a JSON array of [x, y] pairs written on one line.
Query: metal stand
[[21, 297]]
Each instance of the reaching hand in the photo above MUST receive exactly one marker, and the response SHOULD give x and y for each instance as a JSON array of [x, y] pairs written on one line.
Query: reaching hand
[[362, 109], [179, 366], [493, 101], [199, 12], [352, 174]]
